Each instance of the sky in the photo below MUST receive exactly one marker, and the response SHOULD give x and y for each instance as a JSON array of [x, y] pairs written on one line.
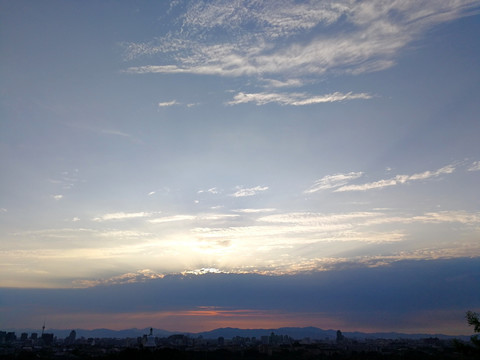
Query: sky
[[189, 165]]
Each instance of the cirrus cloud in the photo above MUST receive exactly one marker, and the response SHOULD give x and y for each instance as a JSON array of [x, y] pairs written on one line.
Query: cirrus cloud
[[475, 166], [399, 179], [122, 216], [242, 192], [295, 99], [332, 181], [261, 38]]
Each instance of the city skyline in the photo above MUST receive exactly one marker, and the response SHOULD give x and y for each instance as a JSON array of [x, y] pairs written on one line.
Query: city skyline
[[305, 147]]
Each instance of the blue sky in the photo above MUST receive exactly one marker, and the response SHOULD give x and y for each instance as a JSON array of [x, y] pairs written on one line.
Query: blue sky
[[143, 140]]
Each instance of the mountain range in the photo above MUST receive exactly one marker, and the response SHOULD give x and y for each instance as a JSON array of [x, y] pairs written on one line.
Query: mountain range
[[297, 333]]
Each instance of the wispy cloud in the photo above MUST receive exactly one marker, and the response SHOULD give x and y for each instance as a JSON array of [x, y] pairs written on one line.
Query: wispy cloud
[[295, 99], [167, 219], [475, 166], [332, 181], [254, 211], [131, 277], [307, 218], [104, 131], [67, 179], [213, 190], [203, 271], [273, 83], [462, 217], [261, 238], [439, 217], [278, 227], [397, 180], [168, 103], [58, 197], [262, 37], [187, 217], [242, 192], [217, 216], [115, 132], [176, 103], [122, 216]]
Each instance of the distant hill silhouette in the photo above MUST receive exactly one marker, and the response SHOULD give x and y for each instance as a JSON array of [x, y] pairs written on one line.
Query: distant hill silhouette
[[313, 333]]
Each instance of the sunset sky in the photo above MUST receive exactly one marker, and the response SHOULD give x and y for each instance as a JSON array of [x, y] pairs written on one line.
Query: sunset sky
[[189, 165]]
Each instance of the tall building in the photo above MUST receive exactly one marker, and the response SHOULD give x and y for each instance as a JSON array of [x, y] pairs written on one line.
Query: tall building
[[70, 339], [150, 343], [340, 337], [3, 337], [47, 339], [10, 337]]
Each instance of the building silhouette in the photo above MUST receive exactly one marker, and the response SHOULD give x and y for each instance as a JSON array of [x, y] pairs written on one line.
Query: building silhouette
[[70, 339], [150, 340]]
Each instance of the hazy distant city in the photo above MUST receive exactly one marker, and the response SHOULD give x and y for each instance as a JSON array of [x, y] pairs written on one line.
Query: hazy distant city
[[230, 343]]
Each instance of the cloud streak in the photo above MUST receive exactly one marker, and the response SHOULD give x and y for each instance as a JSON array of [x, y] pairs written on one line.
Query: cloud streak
[[243, 192], [122, 216], [475, 166], [168, 103], [167, 219], [294, 99], [254, 211], [213, 191], [128, 278], [333, 181], [397, 180]]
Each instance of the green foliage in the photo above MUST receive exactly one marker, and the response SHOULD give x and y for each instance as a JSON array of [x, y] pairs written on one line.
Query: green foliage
[[473, 320]]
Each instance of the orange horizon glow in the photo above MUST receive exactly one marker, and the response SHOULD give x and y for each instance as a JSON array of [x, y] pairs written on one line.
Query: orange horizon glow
[[203, 319], [194, 320]]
